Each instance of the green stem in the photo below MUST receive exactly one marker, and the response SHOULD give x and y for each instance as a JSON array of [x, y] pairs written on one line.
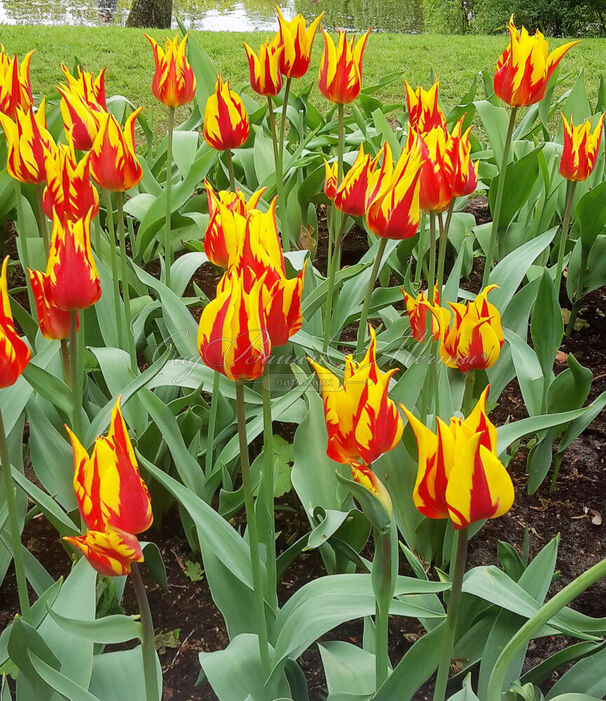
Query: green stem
[[341, 142], [371, 285], [253, 535], [420, 248], [384, 574], [432, 256], [65, 360], [42, 218], [563, 236], [451, 618], [124, 274], [578, 297], [13, 519], [25, 262], [73, 362], [230, 170], [536, 622], [212, 423], [444, 229], [468, 399], [283, 119], [274, 135], [114, 267], [286, 242], [496, 215], [269, 489], [333, 264], [168, 250], [148, 645]]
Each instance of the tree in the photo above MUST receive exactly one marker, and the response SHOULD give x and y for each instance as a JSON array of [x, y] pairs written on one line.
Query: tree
[[150, 13]]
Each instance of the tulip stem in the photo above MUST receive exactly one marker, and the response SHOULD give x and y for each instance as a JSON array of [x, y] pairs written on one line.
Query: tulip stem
[[124, 275], [13, 520], [283, 119], [65, 361], [365, 307], [212, 424], [432, 257], [536, 622], [25, 259], [467, 404], [73, 363], [341, 142], [168, 251], [444, 230], [279, 179], [384, 573], [333, 264], [493, 247], [451, 617], [253, 535], [148, 645], [578, 296], [114, 266], [42, 218], [572, 186], [269, 489], [230, 170]]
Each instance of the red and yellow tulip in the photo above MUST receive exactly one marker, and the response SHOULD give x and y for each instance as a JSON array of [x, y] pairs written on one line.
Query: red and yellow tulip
[[460, 476], [14, 353], [365, 477], [362, 182], [113, 158], [282, 308], [109, 489], [69, 191], [581, 149], [470, 334], [525, 67], [362, 421], [216, 244], [424, 113], [53, 322], [264, 68], [15, 86], [331, 179], [340, 78], [297, 40], [74, 281], [82, 101], [394, 212], [174, 82], [437, 174], [232, 336], [226, 123], [417, 314], [110, 552], [29, 141], [465, 172]]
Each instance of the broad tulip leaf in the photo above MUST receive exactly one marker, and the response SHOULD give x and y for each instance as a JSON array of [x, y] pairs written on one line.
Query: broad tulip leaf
[[107, 630], [520, 179], [545, 669], [591, 215], [495, 120], [113, 672], [546, 326], [59, 682], [529, 373], [466, 693], [584, 677], [349, 669], [23, 640]]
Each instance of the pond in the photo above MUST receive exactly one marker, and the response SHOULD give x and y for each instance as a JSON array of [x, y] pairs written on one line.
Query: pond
[[225, 15]]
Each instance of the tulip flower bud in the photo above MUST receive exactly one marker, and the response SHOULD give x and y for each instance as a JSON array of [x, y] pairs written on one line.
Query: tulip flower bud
[[417, 313], [226, 123], [465, 173], [330, 179], [581, 149], [525, 67], [82, 101], [297, 40], [113, 159], [15, 86], [424, 113], [14, 353], [265, 76], [340, 78], [174, 82], [53, 322]]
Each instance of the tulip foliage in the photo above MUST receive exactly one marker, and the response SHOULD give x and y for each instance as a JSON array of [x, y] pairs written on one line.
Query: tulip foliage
[[153, 396]]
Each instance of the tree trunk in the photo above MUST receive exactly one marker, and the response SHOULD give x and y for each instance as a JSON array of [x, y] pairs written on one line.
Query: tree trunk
[[150, 13]]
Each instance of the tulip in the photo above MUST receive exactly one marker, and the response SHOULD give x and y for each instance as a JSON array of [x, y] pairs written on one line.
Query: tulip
[[365, 477], [82, 102], [394, 212], [69, 191], [109, 488], [110, 552], [53, 322], [14, 353], [465, 172], [581, 149], [215, 244], [113, 159], [362, 182], [174, 82], [265, 76], [438, 171], [340, 78], [15, 86], [232, 336], [424, 113], [28, 142], [417, 313], [460, 476], [226, 123], [474, 340], [331, 179], [74, 281], [362, 422], [525, 67], [297, 40], [282, 308]]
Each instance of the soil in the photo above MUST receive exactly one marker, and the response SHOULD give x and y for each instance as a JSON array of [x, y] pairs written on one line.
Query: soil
[[187, 621]]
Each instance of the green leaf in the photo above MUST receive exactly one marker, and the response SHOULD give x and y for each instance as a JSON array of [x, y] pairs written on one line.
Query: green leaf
[[59, 682], [50, 387], [545, 669], [23, 640], [591, 215], [495, 120], [466, 693], [108, 630], [546, 327], [348, 668], [154, 563], [520, 180], [113, 672], [584, 677], [528, 370], [193, 571]]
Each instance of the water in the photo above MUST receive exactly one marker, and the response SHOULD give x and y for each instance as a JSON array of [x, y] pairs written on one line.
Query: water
[[225, 15]]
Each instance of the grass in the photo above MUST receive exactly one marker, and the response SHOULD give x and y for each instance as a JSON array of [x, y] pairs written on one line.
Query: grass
[[128, 57]]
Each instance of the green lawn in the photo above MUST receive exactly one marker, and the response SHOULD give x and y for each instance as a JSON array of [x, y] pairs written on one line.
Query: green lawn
[[128, 58]]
